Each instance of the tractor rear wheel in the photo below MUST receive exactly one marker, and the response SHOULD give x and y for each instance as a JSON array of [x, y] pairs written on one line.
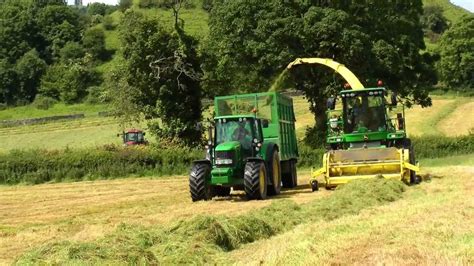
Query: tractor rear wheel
[[198, 186], [274, 174], [290, 178], [222, 191], [255, 180]]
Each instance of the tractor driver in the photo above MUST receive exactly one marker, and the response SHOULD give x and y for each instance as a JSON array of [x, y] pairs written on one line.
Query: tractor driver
[[242, 134]]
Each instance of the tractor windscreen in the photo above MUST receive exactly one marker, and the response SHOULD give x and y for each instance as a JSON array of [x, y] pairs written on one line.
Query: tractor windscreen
[[134, 137], [364, 112], [241, 130]]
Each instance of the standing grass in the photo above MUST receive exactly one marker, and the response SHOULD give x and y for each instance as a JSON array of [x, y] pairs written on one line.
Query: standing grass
[[29, 111]]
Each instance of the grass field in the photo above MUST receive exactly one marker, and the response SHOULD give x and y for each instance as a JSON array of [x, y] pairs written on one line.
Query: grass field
[[447, 116], [433, 222]]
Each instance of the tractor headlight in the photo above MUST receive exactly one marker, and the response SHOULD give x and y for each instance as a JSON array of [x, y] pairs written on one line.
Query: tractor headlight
[[223, 161], [333, 123]]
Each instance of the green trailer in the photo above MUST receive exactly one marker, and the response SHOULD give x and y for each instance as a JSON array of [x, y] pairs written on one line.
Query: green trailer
[[252, 147]]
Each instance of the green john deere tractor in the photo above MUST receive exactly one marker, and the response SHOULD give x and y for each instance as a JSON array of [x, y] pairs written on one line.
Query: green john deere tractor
[[252, 147]]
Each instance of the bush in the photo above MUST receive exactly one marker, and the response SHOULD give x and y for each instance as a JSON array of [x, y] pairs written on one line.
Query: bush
[[441, 146], [207, 5], [94, 95], [44, 102], [108, 22], [40, 166]]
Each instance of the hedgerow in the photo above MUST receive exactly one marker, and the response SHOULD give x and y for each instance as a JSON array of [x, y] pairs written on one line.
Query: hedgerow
[[40, 166]]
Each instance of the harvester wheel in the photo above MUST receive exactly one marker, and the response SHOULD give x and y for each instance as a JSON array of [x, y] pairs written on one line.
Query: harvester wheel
[[275, 174], [198, 187], [255, 180], [222, 191], [414, 179], [290, 179], [314, 185]]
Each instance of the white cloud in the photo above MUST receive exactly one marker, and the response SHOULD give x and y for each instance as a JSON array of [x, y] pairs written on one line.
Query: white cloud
[[466, 4]]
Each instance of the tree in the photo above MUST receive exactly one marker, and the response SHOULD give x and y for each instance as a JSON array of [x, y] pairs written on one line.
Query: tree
[[94, 42], [433, 19], [96, 9], [29, 69], [251, 42], [161, 67], [125, 4], [71, 51], [59, 24], [456, 47], [68, 82], [8, 82]]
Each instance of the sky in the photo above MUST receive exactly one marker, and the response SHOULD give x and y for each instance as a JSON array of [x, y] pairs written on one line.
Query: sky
[[467, 4]]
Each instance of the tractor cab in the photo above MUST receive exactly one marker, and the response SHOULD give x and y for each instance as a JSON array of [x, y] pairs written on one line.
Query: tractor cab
[[134, 137], [237, 137]]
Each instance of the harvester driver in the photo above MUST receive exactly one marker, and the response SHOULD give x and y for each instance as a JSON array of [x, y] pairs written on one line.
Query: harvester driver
[[357, 116]]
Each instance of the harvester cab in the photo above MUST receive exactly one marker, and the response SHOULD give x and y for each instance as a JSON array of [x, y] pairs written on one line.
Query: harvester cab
[[252, 147], [133, 137]]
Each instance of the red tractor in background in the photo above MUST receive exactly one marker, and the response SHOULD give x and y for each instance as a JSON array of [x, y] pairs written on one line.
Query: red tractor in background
[[133, 137]]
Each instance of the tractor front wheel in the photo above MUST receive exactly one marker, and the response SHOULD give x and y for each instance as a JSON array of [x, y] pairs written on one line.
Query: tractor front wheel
[[255, 180], [198, 186]]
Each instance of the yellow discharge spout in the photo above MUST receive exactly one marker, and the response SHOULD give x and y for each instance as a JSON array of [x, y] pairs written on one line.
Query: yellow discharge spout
[[339, 68]]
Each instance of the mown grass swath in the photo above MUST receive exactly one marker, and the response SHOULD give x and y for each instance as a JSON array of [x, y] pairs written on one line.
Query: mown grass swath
[[204, 239]]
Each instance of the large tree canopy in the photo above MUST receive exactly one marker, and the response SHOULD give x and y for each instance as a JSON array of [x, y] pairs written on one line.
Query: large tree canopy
[[161, 73], [252, 41]]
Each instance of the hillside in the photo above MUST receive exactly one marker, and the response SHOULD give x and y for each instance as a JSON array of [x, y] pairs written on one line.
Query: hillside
[[452, 12]]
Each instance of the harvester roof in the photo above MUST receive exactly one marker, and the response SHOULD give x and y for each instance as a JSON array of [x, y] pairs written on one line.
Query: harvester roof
[[363, 90]]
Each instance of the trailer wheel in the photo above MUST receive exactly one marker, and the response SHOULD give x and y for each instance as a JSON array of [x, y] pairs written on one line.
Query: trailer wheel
[[290, 178], [198, 186], [314, 185], [294, 174], [255, 180], [222, 191], [275, 174]]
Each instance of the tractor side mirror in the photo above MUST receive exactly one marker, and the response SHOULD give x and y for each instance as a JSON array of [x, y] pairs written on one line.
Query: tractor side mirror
[[393, 99], [331, 103], [265, 123]]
